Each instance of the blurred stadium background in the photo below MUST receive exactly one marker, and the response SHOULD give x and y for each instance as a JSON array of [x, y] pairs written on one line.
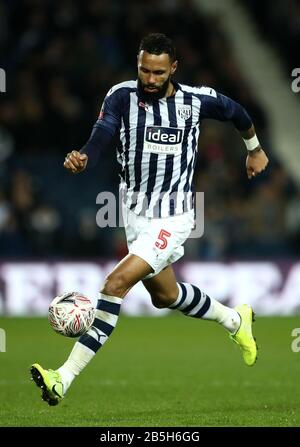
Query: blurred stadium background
[[60, 59]]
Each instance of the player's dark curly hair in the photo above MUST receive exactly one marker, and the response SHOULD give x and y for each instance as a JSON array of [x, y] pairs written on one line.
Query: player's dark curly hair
[[158, 43]]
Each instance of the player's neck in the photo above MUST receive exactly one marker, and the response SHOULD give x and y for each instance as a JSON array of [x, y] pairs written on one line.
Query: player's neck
[[171, 90]]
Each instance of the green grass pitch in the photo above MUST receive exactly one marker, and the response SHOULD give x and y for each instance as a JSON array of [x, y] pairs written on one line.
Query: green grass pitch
[[155, 372]]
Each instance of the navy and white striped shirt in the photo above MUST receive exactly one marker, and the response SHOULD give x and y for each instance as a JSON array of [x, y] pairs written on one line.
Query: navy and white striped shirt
[[158, 142]]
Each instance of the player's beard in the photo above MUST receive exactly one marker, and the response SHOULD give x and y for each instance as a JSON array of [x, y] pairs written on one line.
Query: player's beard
[[153, 96]]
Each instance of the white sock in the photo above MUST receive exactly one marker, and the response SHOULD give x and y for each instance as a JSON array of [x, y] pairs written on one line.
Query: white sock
[[194, 303], [79, 357], [107, 313], [226, 316]]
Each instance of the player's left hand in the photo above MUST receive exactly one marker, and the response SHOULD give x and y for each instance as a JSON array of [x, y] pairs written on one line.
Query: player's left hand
[[256, 162]]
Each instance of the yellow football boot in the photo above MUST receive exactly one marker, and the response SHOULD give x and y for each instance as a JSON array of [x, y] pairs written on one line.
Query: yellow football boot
[[50, 383], [243, 337]]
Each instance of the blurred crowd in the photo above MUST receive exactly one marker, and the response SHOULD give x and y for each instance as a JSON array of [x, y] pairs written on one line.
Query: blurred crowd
[[60, 59], [279, 22]]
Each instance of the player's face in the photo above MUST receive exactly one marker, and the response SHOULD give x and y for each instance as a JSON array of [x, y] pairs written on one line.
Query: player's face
[[154, 74]]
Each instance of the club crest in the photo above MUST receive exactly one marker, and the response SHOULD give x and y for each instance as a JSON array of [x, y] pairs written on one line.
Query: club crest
[[184, 112]]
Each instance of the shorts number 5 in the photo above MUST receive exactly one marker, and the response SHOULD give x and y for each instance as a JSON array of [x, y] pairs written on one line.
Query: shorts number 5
[[161, 240]]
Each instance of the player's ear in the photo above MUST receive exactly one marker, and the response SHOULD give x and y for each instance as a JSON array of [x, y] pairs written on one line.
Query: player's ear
[[174, 67]]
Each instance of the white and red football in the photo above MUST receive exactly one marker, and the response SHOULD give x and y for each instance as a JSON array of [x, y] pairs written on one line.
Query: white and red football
[[71, 314]]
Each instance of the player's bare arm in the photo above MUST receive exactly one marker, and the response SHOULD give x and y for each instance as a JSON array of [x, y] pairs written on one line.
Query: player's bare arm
[[257, 159], [75, 162]]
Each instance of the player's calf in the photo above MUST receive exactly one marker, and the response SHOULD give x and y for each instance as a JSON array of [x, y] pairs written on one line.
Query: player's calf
[[193, 302], [162, 301]]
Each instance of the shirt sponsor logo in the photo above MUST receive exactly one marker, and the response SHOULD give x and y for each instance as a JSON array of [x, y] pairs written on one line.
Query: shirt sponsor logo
[[163, 140]]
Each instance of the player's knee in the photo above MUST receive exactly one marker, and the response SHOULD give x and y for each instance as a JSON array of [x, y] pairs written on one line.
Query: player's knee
[[115, 285]]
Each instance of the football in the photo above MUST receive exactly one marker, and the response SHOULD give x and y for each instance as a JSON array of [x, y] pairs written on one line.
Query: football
[[71, 314]]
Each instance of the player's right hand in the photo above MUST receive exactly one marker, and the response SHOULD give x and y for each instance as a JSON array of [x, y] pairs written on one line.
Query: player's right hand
[[75, 162]]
